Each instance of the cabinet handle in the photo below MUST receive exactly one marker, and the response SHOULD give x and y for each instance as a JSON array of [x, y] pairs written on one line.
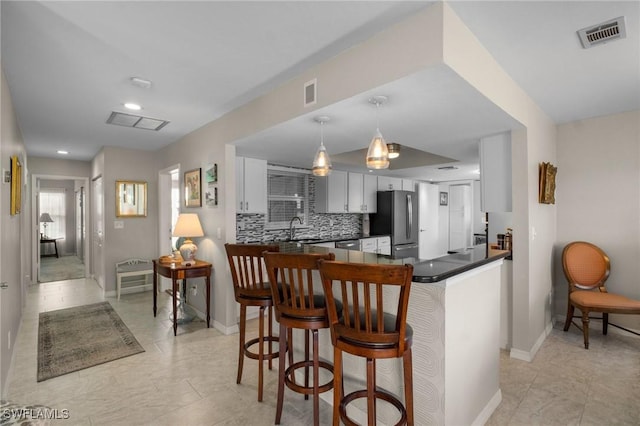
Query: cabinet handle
[[4, 285], [346, 207], [246, 205], [240, 205]]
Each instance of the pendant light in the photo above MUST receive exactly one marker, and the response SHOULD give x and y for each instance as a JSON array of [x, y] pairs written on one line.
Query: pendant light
[[378, 153], [394, 150], [321, 162]]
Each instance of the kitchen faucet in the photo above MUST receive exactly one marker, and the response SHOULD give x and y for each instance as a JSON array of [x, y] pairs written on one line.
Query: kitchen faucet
[[292, 230]]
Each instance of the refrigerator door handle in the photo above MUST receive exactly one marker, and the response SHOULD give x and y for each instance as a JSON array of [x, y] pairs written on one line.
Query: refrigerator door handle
[[409, 215]]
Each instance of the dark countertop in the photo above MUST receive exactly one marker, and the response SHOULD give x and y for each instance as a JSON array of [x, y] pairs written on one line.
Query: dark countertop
[[306, 239], [424, 270]]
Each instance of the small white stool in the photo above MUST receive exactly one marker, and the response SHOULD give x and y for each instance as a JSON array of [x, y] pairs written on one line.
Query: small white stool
[[139, 268]]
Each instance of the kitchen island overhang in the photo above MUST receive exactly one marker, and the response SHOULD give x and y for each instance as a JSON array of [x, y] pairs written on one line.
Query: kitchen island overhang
[[454, 309]]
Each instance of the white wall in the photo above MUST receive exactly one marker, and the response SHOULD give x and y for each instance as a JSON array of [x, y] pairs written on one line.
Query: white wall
[[598, 199]]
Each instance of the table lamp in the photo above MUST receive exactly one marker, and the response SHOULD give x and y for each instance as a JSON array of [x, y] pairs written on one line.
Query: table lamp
[[45, 218], [188, 226]]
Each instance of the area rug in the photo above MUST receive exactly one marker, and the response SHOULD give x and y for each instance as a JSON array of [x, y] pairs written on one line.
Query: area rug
[[81, 337], [60, 268]]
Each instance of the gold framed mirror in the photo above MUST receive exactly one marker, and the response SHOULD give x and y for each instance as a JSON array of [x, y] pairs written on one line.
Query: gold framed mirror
[[131, 198]]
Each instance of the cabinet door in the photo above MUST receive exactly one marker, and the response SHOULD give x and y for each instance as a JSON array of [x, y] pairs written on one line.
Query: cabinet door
[[495, 173], [337, 192], [369, 193], [255, 188], [408, 185], [368, 245], [384, 245], [240, 184], [386, 183], [355, 195]]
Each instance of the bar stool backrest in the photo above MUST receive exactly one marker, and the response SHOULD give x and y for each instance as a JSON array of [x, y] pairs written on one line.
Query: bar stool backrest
[[248, 270], [362, 289]]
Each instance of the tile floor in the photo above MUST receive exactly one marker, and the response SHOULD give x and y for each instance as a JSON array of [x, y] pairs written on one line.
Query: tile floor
[[190, 379]]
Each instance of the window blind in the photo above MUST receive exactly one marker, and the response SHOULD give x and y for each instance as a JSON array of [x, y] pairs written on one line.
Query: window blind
[[287, 196]]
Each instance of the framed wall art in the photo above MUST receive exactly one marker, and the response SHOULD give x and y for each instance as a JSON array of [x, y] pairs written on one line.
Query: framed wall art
[[16, 185], [193, 188], [547, 183], [131, 198]]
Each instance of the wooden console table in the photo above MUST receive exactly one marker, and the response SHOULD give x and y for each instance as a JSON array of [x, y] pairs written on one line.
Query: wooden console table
[[45, 240], [177, 271]]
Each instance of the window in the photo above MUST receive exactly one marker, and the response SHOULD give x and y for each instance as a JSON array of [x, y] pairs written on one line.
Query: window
[[287, 196], [52, 201]]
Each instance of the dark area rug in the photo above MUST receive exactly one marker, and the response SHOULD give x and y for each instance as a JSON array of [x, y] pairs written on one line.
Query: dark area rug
[[77, 338]]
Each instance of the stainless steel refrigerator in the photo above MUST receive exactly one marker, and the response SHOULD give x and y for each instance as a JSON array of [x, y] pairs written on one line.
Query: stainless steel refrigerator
[[397, 215]]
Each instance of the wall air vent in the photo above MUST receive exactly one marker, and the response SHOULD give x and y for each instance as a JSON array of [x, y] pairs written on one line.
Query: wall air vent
[[310, 92], [136, 121], [613, 29]]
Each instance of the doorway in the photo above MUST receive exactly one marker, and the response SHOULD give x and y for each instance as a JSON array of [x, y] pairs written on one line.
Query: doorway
[[460, 216], [97, 210], [168, 211]]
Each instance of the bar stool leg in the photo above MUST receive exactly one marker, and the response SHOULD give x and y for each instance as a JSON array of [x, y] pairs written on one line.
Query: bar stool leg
[[261, 353], [243, 323], [371, 387], [316, 374], [306, 358], [408, 385], [270, 334], [282, 347], [337, 385]]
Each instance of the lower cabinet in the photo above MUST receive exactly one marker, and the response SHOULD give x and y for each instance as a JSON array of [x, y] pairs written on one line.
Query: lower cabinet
[[379, 245]]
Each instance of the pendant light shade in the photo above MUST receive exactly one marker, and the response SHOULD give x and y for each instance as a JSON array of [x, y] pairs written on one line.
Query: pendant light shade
[[394, 150], [378, 153], [321, 162]]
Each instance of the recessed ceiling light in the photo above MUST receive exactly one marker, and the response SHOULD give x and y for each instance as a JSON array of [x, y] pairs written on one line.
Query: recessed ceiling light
[[61, 152], [132, 106]]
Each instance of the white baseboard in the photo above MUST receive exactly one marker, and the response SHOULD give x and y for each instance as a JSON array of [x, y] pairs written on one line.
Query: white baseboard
[[529, 355], [488, 409]]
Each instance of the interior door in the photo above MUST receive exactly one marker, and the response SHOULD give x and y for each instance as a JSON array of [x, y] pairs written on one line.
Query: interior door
[[97, 207], [79, 203], [428, 212]]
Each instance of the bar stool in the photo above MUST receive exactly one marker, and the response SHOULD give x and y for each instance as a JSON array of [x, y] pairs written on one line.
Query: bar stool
[[251, 288], [362, 331], [298, 306]]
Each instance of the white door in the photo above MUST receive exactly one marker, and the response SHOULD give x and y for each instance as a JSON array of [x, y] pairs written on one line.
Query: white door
[[168, 211], [428, 221], [97, 208], [80, 223], [460, 230]]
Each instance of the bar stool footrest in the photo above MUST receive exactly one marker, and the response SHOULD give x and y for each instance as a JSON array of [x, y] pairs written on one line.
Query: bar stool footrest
[[378, 394], [265, 356], [289, 377]]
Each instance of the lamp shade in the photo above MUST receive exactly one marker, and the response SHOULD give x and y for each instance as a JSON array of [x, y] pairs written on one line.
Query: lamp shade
[[394, 150], [378, 153], [188, 225], [46, 218], [321, 162]]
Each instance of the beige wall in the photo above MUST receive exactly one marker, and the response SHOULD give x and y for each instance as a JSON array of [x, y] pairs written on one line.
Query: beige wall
[[598, 199], [14, 247]]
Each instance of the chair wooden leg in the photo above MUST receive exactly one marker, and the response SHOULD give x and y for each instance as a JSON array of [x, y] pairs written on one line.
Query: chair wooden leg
[[282, 347], [316, 374], [338, 390], [243, 323], [408, 385], [270, 335], [371, 387], [290, 350], [261, 354], [567, 322], [306, 358], [585, 328], [605, 322]]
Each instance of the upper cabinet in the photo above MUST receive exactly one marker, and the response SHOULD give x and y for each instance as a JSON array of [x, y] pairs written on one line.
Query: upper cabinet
[[386, 183], [362, 193], [331, 193], [408, 185], [495, 173], [251, 185]]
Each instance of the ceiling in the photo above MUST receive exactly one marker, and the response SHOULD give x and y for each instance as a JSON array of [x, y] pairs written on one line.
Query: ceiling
[[69, 65]]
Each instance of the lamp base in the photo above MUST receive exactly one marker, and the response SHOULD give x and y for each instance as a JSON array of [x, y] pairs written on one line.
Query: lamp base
[[188, 252]]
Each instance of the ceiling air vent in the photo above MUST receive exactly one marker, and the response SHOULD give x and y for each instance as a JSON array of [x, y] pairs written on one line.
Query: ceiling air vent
[[607, 31], [448, 168], [137, 121]]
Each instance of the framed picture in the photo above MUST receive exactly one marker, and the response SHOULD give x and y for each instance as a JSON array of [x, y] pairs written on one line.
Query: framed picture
[[444, 198], [131, 198], [16, 185], [547, 183], [211, 173], [193, 188]]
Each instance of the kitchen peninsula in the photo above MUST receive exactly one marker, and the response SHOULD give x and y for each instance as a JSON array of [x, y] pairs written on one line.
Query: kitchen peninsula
[[454, 309]]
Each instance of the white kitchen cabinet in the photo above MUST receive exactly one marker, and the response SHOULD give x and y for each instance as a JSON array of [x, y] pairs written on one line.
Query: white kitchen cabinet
[[251, 185], [331, 193], [328, 244], [380, 245], [362, 193], [408, 185], [495, 173], [387, 183]]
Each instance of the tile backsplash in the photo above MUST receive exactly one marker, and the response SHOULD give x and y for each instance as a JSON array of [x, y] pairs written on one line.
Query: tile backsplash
[[251, 227]]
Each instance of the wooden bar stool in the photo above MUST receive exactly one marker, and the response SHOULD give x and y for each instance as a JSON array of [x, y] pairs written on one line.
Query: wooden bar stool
[[297, 305], [365, 329], [251, 288]]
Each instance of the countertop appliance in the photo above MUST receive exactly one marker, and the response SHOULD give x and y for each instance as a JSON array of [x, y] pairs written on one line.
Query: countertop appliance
[[348, 244], [397, 216]]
